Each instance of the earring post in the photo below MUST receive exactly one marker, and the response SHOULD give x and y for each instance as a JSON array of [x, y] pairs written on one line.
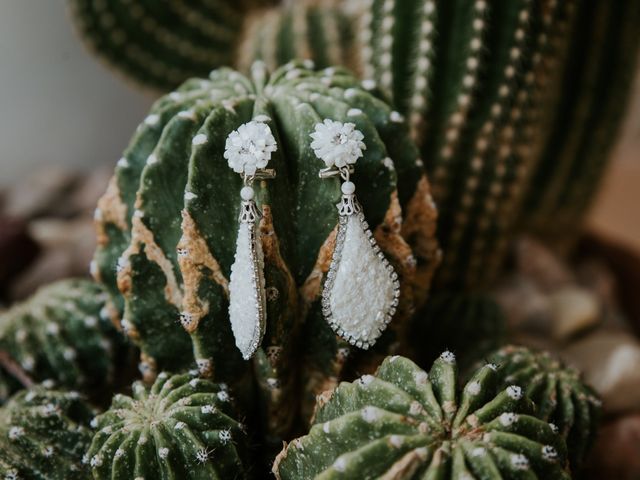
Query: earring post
[[334, 172]]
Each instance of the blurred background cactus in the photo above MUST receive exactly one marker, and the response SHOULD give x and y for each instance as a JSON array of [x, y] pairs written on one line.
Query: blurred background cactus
[[514, 105]]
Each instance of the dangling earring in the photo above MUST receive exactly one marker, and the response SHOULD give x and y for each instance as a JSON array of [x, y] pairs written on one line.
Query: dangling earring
[[248, 151], [361, 292]]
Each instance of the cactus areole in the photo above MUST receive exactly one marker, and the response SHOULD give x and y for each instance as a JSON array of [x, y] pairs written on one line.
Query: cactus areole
[[167, 225]]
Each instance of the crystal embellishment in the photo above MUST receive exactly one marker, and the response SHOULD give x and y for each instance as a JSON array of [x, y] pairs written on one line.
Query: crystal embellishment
[[248, 150], [362, 290]]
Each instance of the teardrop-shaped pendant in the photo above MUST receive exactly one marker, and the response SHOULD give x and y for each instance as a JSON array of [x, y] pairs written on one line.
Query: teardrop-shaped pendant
[[362, 290], [247, 307]]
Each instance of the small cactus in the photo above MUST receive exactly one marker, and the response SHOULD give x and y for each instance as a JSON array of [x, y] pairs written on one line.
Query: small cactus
[[65, 333], [181, 427], [558, 392], [43, 435], [405, 423]]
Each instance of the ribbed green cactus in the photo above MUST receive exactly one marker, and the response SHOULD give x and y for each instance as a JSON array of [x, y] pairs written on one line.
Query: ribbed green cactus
[[162, 44], [405, 423], [166, 223], [64, 333], [43, 435], [470, 325], [515, 103], [558, 392], [182, 427]]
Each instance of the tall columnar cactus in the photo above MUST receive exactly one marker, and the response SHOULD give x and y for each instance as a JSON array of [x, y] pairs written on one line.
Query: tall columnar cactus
[[405, 423], [181, 427], [63, 333], [166, 223], [470, 325], [514, 103], [558, 392], [160, 45], [43, 435]]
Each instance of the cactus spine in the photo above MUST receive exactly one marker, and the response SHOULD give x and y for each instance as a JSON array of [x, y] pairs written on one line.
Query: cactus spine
[[63, 333], [43, 435], [405, 423]]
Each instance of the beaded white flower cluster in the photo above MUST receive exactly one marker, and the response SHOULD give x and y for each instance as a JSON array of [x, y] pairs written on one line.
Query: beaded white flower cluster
[[250, 147], [337, 143]]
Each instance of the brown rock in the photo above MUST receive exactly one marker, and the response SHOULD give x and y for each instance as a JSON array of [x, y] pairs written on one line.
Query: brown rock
[[610, 362], [616, 453]]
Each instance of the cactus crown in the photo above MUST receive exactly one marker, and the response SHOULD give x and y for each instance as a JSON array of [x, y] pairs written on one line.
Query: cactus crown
[[180, 427], [406, 423], [43, 434]]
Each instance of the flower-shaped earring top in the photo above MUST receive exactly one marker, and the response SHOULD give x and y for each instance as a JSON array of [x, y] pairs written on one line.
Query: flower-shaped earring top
[[249, 148], [337, 144]]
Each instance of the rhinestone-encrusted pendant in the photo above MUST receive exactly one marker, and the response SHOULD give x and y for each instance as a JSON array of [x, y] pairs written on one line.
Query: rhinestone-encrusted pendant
[[248, 151], [247, 302], [362, 290]]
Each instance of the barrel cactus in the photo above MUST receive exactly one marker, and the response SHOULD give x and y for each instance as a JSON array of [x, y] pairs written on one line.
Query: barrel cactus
[[180, 427], [65, 333], [558, 392], [165, 225], [44, 434], [405, 423]]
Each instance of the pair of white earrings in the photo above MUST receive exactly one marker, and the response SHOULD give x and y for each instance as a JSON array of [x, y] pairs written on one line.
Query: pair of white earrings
[[361, 291]]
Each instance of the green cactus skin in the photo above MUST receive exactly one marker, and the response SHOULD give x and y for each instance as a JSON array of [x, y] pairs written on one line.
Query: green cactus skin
[[65, 333], [182, 427], [43, 435], [159, 45], [165, 225], [514, 103], [470, 325], [596, 80], [558, 392], [403, 423], [317, 30]]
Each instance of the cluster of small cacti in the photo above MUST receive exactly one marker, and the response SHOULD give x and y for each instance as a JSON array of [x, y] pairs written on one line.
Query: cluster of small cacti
[[180, 427], [406, 423], [43, 435], [64, 333], [514, 104], [487, 88]]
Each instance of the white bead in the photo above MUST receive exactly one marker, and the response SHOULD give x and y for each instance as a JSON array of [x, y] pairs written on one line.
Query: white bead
[[247, 193], [348, 188]]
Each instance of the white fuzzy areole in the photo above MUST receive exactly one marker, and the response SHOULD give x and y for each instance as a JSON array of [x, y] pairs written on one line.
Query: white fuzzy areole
[[246, 292], [363, 291]]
